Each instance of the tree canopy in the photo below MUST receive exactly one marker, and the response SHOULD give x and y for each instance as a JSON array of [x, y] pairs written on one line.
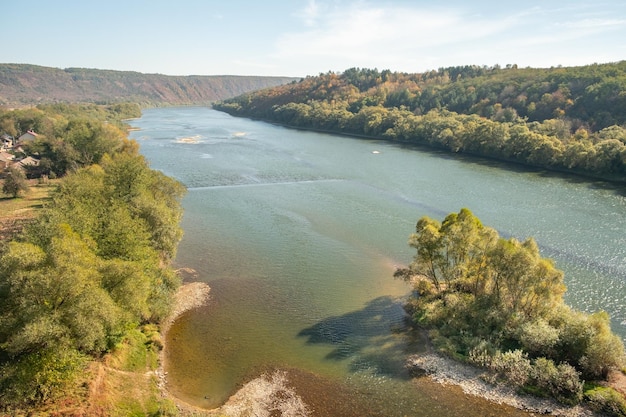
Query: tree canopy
[[92, 266], [498, 303]]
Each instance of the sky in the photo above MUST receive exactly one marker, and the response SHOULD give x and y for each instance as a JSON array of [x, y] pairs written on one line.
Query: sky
[[307, 37]]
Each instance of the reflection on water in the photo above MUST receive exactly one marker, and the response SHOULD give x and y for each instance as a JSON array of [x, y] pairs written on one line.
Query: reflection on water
[[298, 235]]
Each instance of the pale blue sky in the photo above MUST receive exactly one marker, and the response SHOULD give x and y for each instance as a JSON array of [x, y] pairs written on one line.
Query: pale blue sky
[[306, 37]]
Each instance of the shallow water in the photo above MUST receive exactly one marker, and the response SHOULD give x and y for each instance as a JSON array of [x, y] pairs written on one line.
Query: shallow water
[[298, 235]]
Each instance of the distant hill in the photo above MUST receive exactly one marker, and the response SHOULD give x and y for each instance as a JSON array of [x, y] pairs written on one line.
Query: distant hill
[[23, 84]]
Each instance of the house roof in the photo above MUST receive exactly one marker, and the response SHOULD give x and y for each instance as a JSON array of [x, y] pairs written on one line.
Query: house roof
[[29, 160], [28, 135]]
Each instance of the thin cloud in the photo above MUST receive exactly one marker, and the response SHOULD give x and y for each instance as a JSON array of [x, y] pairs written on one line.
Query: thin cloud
[[595, 24], [361, 31], [310, 13], [340, 35], [358, 30]]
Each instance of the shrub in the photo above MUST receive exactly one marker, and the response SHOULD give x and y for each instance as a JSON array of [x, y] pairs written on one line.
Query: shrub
[[513, 366], [605, 350], [606, 400], [15, 183], [538, 338], [561, 382]]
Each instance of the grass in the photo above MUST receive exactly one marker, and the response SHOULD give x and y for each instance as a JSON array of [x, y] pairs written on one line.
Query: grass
[[27, 204], [17, 212], [125, 382]]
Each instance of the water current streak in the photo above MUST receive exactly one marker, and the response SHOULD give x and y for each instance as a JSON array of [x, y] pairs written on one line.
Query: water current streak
[[260, 184]]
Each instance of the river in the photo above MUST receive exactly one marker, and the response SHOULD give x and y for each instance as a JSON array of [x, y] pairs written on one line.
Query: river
[[298, 234]]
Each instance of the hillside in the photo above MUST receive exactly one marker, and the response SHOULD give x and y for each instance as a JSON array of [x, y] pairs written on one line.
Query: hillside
[[567, 119], [22, 84]]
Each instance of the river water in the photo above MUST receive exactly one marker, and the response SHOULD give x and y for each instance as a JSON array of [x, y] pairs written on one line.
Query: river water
[[298, 235]]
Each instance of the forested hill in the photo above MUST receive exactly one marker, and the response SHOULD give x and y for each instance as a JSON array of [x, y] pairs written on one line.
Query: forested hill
[[22, 84], [565, 118]]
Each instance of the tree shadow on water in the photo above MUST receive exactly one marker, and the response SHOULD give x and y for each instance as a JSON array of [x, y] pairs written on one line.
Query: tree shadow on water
[[371, 339]]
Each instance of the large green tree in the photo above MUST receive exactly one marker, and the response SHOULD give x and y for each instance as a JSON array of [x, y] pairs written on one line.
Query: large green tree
[[481, 294]]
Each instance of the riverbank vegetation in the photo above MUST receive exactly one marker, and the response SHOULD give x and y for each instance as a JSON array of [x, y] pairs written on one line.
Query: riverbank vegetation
[[498, 304], [567, 119], [90, 273]]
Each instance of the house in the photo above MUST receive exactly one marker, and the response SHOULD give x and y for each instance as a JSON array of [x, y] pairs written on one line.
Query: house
[[27, 137], [6, 141], [28, 161]]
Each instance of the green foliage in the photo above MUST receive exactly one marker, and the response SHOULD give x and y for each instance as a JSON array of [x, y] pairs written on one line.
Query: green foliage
[[569, 119], [39, 376], [93, 266], [15, 183], [71, 136], [512, 366], [606, 400], [134, 350], [559, 381], [499, 304], [44, 308]]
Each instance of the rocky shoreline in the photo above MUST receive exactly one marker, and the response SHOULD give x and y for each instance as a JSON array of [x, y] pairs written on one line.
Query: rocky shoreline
[[471, 380]]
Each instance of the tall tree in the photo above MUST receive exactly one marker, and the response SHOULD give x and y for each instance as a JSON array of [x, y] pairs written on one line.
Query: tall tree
[[15, 182]]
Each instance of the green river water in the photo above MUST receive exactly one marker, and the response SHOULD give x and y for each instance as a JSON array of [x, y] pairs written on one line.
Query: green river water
[[298, 234]]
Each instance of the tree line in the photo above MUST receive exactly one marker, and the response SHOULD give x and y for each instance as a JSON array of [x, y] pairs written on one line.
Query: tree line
[[568, 119], [93, 265], [497, 303]]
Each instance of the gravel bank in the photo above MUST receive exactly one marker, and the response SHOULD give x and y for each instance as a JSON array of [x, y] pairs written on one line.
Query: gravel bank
[[470, 379]]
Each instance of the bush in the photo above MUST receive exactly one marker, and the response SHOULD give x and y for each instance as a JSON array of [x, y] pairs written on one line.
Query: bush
[[538, 338], [605, 350], [606, 400], [561, 382], [512, 366]]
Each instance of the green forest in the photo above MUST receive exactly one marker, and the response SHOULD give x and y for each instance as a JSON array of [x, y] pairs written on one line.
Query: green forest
[[566, 118], [93, 267], [498, 304]]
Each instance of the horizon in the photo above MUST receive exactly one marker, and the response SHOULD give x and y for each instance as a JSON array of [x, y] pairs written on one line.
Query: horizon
[[309, 37], [287, 76]]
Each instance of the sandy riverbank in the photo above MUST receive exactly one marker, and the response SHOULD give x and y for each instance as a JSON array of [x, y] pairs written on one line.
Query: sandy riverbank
[[265, 396]]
